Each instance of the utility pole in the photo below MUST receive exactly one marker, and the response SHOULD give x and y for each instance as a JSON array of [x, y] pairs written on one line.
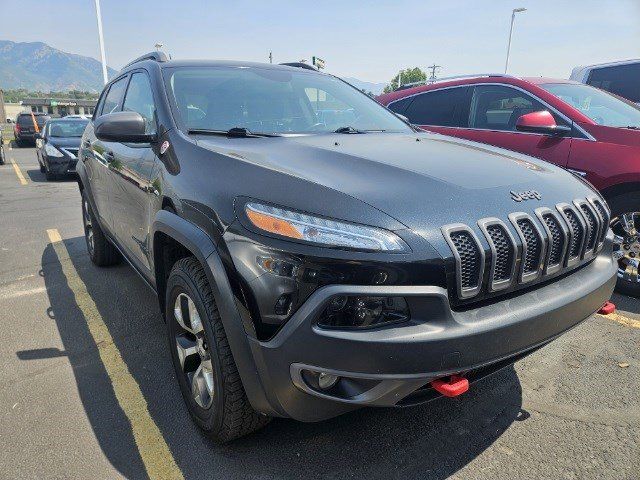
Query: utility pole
[[105, 76], [433, 69], [513, 17], [270, 56]]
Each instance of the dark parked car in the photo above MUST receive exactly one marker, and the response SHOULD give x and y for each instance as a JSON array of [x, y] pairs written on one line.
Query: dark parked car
[[24, 130], [58, 144], [621, 78], [588, 131], [307, 265]]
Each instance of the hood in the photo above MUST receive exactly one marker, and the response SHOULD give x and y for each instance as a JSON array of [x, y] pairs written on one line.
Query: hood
[[423, 180], [65, 142]]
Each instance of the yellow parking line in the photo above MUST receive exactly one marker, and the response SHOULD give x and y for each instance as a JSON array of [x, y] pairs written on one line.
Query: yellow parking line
[[622, 320], [154, 451], [23, 181]]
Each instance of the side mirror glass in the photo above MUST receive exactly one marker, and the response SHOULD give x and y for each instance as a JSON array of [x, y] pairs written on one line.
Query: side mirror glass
[[540, 122], [123, 127]]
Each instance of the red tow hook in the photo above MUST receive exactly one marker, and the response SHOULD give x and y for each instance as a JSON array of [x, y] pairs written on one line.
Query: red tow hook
[[455, 386], [607, 308]]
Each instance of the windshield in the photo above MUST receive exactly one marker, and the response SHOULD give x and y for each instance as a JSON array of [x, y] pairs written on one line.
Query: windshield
[[601, 107], [271, 101], [60, 128]]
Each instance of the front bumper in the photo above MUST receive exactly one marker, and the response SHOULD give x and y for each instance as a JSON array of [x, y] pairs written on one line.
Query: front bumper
[[389, 366], [61, 165]]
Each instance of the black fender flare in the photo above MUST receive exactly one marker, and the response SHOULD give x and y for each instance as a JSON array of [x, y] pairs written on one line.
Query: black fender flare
[[194, 239]]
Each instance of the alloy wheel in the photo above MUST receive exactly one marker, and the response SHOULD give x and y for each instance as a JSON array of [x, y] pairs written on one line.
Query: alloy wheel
[[193, 351], [626, 245]]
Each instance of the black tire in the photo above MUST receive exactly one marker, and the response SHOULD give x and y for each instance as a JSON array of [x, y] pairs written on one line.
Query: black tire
[[229, 415], [43, 169], [101, 251], [48, 175], [628, 202]]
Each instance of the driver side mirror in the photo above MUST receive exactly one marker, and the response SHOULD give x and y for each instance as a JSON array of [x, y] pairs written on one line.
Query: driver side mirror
[[540, 122], [122, 127]]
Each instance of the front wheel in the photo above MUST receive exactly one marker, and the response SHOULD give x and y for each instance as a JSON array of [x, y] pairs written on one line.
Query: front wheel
[[206, 371], [101, 251], [625, 223]]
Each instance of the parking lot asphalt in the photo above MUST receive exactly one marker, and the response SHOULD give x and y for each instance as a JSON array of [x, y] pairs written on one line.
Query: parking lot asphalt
[[87, 389]]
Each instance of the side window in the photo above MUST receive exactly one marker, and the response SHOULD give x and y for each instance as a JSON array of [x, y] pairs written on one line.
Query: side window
[[623, 80], [497, 107], [438, 107], [139, 99], [112, 101]]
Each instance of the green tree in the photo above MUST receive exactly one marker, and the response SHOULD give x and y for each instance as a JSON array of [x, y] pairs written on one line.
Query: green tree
[[409, 75]]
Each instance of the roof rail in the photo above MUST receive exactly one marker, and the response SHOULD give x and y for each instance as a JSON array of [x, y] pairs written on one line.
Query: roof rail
[[156, 56], [300, 65], [447, 79]]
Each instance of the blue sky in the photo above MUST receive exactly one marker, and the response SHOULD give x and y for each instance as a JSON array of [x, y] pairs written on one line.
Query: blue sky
[[370, 40]]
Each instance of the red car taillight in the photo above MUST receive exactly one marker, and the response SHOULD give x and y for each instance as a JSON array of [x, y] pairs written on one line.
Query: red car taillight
[[17, 128]]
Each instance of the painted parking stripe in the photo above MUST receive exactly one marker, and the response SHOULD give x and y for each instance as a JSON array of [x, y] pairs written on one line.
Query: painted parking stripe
[[16, 168], [154, 451], [623, 320]]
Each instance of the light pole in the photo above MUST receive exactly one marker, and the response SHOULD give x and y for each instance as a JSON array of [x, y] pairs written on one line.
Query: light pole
[[101, 39], [513, 17]]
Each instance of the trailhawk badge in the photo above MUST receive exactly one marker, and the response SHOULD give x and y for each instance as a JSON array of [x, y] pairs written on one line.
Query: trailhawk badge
[[526, 195]]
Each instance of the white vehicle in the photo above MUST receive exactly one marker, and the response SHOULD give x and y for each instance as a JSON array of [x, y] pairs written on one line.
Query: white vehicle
[[621, 78]]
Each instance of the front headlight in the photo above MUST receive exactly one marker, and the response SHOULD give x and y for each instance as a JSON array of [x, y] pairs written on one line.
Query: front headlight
[[52, 151], [331, 233]]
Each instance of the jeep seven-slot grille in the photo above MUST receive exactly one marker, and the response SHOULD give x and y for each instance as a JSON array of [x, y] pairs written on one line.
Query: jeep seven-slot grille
[[531, 256], [556, 242], [543, 241], [469, 253], [504, 252]]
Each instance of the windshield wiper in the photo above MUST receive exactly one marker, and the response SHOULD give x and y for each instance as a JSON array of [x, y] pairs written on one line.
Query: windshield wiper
[[633, 127], [350, 129], [240, 132], [347, 129]]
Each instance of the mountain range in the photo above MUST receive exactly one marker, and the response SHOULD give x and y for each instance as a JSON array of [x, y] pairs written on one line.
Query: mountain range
[[36, 66]]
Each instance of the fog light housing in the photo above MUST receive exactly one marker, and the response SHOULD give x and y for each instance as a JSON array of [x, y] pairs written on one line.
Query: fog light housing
[[361, 312]]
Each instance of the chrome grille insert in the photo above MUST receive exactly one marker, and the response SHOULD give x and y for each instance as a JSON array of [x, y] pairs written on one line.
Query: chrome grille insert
[[605, 218], [592, 222], [577, 230], [557, 235], [503, 252], [469, 255], [533, 246]]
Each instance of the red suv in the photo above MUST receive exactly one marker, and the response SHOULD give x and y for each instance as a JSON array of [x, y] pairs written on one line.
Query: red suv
[[592, 133]]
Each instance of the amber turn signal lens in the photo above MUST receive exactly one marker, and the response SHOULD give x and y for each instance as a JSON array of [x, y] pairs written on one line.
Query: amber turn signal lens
[[273, 224]]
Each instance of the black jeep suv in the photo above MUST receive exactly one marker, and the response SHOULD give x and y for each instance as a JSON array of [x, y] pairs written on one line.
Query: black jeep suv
[[312, 253]]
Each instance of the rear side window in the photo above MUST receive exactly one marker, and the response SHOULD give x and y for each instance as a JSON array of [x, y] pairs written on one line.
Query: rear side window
[[140, 99], [623, 80], [112, 101], [439, 107]]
